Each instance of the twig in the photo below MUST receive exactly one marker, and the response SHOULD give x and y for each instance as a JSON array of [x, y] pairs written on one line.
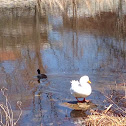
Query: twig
[[19, 106], [114, 104], [108, 108]]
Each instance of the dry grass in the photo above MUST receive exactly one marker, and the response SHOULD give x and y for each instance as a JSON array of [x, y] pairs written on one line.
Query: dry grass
[[113, 115], [80, 7], [104, 119], [90, 5], [6, 112]]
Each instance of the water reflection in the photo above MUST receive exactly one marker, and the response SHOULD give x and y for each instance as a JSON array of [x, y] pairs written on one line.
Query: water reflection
[[64, 51], [77, 113]]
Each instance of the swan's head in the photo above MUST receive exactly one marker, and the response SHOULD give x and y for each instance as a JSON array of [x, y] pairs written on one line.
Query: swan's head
[[84, 79]]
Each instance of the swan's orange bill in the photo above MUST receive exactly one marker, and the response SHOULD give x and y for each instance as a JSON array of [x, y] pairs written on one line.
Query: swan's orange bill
[[89, 82]]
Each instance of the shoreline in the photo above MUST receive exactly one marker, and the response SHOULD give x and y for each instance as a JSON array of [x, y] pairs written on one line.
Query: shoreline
[[22, 4]]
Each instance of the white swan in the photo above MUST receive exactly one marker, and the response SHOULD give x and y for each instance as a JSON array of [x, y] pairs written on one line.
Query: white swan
[[81, 89]]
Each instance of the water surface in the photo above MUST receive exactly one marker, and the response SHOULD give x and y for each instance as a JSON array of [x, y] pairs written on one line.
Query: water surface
[[64, 50]]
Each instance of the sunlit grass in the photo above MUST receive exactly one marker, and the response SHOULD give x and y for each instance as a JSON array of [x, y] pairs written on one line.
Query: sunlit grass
[[110, 117], [101, 119], [90, 5], [6, 112]]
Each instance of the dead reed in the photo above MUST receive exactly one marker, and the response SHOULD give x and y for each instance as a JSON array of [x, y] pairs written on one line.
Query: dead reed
[[113, 115], [6, 112], [91, 6], [105, 119]]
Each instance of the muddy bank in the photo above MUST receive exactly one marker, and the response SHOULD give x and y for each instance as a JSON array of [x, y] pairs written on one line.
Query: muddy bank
[[9, 4], [14, 8]]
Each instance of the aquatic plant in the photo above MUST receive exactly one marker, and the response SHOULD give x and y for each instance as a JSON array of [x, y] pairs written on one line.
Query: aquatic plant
[[6, 112]]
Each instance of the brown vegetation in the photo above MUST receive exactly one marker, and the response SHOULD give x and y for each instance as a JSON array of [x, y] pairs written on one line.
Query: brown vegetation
[[6, 112], [113, 115], [105, 119]]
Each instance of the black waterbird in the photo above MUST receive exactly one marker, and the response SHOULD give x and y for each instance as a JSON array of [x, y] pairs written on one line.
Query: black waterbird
[[41, 76]]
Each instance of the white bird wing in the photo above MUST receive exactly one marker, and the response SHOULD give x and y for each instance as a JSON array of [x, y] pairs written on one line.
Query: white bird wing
[[74, 85], [74, 82], [78, 90]]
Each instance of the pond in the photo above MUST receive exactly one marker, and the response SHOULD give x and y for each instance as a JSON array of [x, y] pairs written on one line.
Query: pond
[[64, 48]]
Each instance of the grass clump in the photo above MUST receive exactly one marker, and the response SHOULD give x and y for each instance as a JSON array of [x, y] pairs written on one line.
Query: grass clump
[[6, 112], [105, 119], [113, 115]]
